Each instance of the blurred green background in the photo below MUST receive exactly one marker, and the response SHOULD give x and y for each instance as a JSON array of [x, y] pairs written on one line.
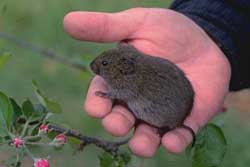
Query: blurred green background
[[40, 22]]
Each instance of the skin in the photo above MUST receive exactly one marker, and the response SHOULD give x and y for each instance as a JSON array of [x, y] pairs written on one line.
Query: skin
[[167, 34]]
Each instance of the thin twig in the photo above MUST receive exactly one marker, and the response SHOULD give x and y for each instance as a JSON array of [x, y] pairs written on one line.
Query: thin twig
[[109, 146], [49, 53], [29, 153], [36, 144]]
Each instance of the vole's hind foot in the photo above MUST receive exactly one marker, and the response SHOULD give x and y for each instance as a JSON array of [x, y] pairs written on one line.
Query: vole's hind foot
[[106, 95], [163, 130]]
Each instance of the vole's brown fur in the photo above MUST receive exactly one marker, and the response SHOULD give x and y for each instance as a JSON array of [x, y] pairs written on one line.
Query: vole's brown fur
[[155, 90]]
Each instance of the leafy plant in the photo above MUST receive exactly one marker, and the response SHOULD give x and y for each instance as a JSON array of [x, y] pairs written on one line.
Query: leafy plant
[[210, 147], [28, 124]]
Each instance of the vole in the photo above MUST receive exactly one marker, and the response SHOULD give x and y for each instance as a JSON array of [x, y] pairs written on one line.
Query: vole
[[154, 89]]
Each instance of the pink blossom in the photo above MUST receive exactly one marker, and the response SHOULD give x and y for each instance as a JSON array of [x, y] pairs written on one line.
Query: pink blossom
[[44, 128], [18, 142], [41, 163], [59, 140]]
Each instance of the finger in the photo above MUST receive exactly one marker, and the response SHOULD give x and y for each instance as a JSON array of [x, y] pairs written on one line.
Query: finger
[[145, 141], [119, 121], [97, 106], [103, 27], [176, 141]]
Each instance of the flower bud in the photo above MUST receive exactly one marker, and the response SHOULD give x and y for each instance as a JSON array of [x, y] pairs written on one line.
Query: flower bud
[[18, 142], [59, 140], [41, 163], [43, 129]]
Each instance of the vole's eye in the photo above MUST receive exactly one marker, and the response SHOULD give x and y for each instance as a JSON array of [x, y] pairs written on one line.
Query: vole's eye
[[104, 63]]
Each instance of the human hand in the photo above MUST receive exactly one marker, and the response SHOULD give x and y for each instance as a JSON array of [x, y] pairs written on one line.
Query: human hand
[[163, 33]]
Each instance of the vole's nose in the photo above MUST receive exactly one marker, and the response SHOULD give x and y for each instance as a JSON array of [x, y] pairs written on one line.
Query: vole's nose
[[94, 67]]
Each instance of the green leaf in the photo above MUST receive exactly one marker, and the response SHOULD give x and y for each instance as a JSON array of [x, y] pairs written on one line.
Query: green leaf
[[16, 109], [36, 112], [28, 109], [52, 134], [210, 147], [6, 114], [38, 93], [125, 157], [40, 111], [73, 142], [120, 160], [106, 160], [4, 58], [18, 117], [51, 105], [39, 108]]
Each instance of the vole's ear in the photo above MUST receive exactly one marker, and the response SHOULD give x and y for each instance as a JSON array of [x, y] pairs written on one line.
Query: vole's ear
[[126, 47], [126, 66]]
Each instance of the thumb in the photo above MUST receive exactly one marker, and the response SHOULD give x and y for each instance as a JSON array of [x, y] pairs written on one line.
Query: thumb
[[104, 27]]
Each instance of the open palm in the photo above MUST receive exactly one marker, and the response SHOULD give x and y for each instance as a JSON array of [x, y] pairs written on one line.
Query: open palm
[[163, 33]]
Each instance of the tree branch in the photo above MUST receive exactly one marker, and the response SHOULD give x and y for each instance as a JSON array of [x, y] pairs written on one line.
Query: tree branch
[[46, 52], [108, 146]]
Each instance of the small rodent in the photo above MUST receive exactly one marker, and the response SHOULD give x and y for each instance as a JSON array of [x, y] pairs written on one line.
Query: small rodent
[[155, 90]]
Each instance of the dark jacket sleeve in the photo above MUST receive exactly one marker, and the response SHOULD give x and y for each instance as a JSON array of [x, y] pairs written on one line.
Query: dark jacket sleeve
[[228, 24]]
